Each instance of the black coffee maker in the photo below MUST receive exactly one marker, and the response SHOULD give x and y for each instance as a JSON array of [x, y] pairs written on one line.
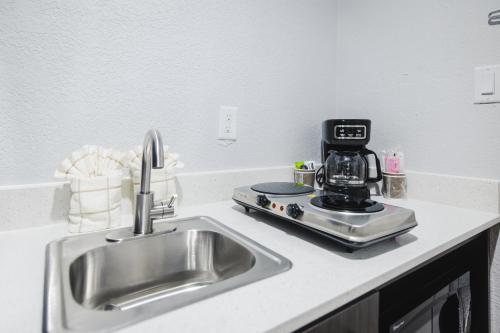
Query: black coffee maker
[[345, 171]]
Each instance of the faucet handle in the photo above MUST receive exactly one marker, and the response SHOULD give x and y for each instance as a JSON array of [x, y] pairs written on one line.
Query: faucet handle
[[172, 200], [163, 208], [167, 203]]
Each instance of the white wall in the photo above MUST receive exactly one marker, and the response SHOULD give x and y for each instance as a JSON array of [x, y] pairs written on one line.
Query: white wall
[[408, 65], [85, 72]]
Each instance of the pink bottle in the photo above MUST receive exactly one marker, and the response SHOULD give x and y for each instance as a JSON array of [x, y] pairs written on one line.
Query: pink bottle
[[392, 164]]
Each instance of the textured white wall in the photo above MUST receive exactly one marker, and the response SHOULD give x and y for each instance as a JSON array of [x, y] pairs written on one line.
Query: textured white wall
[[408, 65], [103, 72], [77, 72]]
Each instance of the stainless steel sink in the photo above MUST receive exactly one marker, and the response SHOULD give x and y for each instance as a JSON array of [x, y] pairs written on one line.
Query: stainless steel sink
[[94, 285]]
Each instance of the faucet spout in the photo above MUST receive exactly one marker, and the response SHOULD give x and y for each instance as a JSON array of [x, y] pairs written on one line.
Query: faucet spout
[[152, 157]]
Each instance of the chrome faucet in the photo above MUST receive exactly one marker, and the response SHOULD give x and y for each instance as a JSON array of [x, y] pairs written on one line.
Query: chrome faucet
[[147, 209]]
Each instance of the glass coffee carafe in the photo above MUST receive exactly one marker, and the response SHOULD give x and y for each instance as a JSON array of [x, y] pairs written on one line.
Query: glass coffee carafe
[[346, 175], [345, 169]]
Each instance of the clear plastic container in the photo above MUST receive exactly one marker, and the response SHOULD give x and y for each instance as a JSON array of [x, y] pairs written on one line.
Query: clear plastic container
[[394, 185]]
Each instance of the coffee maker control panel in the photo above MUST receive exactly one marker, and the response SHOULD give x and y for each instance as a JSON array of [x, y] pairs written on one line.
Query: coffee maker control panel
[[349, 132], [344, 134]]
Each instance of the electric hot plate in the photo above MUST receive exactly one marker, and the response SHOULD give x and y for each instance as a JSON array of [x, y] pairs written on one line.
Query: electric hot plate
[[368, 223]]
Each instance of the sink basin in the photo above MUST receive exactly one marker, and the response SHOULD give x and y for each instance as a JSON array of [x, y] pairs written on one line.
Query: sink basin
[[95, 285]]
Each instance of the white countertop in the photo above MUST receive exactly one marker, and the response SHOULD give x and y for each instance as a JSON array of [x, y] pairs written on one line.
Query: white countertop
[[323, 277]]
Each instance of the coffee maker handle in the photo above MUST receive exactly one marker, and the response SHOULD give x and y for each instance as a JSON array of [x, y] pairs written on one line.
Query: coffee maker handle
[[320, 175], [367, 152]]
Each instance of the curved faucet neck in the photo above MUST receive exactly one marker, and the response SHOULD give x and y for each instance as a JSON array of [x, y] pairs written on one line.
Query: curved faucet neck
[[152, 157]]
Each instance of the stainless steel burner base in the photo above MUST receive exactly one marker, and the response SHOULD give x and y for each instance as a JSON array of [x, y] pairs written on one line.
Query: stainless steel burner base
[[354, 230]]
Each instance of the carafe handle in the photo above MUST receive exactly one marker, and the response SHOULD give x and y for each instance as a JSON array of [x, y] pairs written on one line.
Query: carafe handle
[[365, 152], [320, 175]]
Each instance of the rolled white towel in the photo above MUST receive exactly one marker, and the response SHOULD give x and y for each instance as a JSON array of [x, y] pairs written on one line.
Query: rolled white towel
[[90, 161]]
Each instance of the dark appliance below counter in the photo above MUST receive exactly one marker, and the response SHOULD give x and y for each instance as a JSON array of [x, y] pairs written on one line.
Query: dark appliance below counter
[[447, 294]]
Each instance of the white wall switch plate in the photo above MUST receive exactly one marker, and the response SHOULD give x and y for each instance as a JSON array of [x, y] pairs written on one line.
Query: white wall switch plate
[[487, 84], [227, 122]]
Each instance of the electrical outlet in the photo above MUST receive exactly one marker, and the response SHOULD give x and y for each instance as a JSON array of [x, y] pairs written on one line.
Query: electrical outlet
[[227, 122]]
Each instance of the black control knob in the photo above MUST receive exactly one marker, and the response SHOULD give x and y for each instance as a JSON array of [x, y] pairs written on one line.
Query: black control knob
[[262, 201], [294, 210]]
